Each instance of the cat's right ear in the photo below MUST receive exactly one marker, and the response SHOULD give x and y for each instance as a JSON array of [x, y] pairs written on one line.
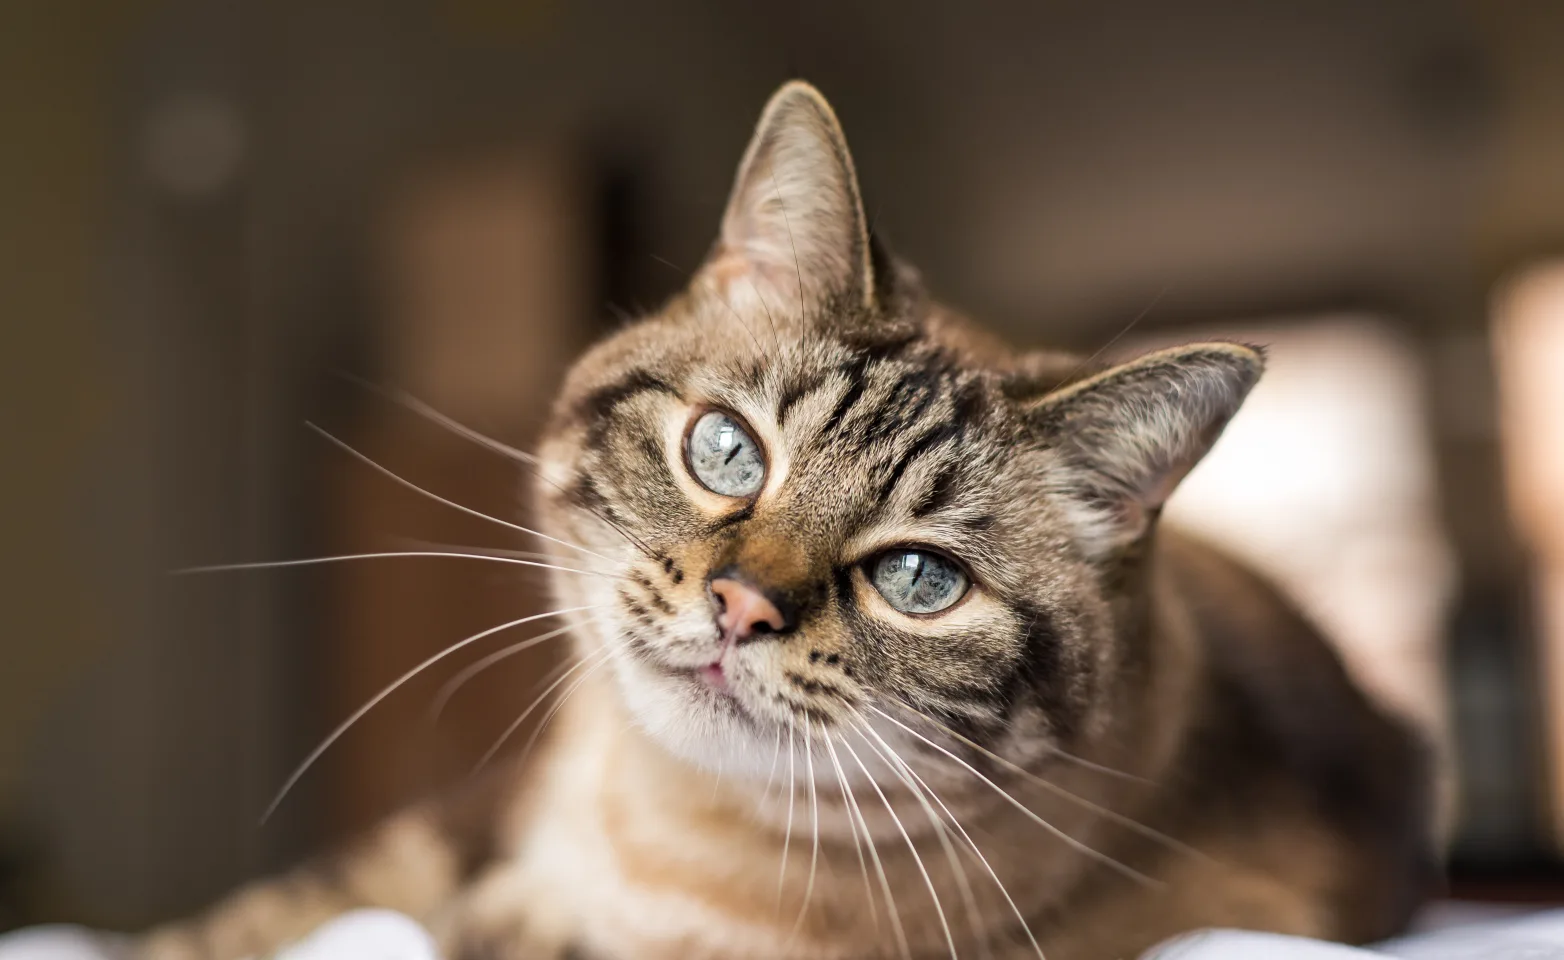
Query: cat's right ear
[[794, 238], [1126, 437]]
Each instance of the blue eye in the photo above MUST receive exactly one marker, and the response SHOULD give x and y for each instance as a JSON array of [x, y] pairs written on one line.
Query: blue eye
[[917, 581], [724, 458]]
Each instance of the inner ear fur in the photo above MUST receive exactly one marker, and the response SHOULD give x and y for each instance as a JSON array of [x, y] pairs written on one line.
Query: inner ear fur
[[1128, 435], [794, 235]]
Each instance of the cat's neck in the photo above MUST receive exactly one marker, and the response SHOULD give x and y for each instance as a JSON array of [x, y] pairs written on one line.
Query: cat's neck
[[660, 822], [638, 777]]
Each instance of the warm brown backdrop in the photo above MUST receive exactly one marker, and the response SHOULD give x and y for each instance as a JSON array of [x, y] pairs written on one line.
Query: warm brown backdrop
[[209, 208]]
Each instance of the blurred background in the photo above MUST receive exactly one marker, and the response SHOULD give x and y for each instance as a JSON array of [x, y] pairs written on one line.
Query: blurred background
[[213, 211]]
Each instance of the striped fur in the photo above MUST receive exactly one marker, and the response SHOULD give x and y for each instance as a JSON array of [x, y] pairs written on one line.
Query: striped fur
[[1135, 736]]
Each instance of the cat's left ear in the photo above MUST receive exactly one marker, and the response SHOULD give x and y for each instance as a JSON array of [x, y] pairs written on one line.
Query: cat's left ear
[[794, 236], [1128, 435]]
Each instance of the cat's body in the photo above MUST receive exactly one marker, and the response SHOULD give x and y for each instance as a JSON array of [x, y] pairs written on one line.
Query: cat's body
[[857, 571]]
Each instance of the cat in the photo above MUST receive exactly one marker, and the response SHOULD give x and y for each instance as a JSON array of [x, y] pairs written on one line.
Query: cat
[[883, 652]]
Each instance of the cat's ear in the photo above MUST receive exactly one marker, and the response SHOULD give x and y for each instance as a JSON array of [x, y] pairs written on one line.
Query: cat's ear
[[794, 235], [1128, 435]]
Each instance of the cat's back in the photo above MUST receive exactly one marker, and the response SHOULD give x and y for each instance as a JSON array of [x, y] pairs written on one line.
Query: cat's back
[[1284, 742]]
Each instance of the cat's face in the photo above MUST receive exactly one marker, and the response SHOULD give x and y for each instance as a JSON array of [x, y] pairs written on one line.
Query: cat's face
[[881, 499], [810, 503]]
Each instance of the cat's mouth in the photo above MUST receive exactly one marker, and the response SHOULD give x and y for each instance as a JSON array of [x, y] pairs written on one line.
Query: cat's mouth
[[717, 676], [716, 682], [713, 676], [715, 673], [713, 686], [706, 672]]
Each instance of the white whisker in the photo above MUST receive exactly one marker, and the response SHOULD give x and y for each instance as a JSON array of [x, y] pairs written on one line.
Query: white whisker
[[978, 852], [423, 409], [1129, 823], [814, 822], [1151, 833], [446, 692], [1086, 764], [776, 754], [449, 503], [1079, 846], [904, 771], [559, 705], [408, 401], [601, 658], [792, 792], [495, 552], [359, 713], [481, 551], [385, 555], [853, 816], [928, 881]]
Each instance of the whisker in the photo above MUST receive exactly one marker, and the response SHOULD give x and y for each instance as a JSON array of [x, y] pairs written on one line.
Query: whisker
[[978, 852], [670, 265], [786, 222], [342, 728], [409, 402], [1129, 823], [928, 881], [412, 403], [504, 553], [446, 692], [741, 321], [1120, 335], [1079, 846], [601, 658], [814, 822], [776, 338], [559, 705], [341, 445], [386, 555], [792, 792], [1095, 767], [853, 816], [776, 755], [720, 299], [904, 771]]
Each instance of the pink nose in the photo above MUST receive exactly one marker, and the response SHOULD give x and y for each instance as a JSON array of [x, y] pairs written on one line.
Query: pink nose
[[744, 611]]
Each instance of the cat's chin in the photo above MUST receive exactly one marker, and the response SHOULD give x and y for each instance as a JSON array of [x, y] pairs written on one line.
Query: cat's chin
[[701, 719]]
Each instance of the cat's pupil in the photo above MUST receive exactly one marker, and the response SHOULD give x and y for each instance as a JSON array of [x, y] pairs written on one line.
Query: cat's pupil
[[917, 581], [724, 458]]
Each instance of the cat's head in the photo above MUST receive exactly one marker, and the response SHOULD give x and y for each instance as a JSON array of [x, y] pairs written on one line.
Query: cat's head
[[816, 500]]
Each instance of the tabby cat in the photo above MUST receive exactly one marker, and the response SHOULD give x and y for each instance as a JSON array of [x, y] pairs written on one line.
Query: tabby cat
[[883, 653]]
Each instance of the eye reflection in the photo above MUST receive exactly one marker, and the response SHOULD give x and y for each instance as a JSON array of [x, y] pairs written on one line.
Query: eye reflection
[[724, 458], [917, 581]]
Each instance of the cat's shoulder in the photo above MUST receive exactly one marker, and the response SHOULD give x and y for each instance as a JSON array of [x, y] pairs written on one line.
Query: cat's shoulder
[[1282, 723]]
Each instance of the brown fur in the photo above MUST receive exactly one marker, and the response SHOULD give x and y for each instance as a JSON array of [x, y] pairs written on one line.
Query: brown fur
[[1115, 735]]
